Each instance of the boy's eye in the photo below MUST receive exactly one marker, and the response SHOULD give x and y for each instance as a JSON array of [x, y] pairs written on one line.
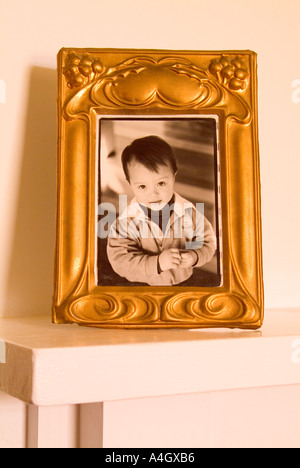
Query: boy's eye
[[142, 187], [161, 184]]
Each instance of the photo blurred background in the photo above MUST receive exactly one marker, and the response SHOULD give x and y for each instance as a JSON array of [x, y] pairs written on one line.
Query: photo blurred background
[[194, 142]]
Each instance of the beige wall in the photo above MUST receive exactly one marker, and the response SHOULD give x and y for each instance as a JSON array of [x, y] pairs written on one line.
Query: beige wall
[[31, 33]]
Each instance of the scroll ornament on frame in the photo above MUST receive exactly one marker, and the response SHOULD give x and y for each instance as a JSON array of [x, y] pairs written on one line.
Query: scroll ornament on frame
[[134, 308], [142, 82]]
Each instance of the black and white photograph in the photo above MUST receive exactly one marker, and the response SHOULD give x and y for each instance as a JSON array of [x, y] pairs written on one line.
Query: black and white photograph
[[158, 211]]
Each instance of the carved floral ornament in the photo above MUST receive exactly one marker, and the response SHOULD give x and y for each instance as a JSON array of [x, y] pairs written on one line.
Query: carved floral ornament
[[142, 81], [80, 70]]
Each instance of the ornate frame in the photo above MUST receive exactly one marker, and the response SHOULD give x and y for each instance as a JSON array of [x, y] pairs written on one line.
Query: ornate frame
[[153, 82]]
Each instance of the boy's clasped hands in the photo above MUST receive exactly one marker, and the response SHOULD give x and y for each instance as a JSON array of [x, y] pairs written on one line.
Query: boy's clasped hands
[[175, 258]]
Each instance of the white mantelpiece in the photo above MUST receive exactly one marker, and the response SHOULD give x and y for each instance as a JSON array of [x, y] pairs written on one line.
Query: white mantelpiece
[[49, 364]]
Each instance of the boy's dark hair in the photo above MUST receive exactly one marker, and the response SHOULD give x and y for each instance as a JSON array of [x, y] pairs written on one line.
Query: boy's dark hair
[[151, 151]]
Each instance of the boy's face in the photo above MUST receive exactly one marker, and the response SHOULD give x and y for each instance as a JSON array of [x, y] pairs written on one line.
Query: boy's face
[[152, 189]]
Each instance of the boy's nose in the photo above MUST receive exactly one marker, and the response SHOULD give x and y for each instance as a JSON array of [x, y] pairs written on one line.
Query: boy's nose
[[156, 190]]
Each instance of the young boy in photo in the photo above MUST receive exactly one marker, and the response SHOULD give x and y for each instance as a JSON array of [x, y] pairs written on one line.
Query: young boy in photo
[[160, 237]]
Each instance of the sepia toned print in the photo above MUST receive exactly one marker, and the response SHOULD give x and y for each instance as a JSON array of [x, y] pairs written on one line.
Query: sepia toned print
[[133, 247]]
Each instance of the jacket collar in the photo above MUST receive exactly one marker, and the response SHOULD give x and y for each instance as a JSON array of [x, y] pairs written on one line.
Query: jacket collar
[[135, 211]]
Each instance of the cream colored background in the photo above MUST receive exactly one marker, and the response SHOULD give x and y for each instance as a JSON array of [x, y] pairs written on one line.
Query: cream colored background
[[32, 32]]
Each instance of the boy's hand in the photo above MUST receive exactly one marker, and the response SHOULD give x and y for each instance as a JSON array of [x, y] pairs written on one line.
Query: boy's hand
[[168, 259], [188, 259]]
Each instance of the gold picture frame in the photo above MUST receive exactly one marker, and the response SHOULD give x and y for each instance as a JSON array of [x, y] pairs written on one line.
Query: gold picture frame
[[158, 85]]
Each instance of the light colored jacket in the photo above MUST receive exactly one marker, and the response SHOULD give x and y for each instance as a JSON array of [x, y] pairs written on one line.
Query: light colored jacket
[[135, 243]]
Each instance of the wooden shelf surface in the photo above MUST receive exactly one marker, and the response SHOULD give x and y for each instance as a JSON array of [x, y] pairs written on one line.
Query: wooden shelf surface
[[48, 364]]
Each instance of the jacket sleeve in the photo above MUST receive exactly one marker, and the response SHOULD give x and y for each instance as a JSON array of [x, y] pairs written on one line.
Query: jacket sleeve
[[127, 258], [204, 241], [207, 251]]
